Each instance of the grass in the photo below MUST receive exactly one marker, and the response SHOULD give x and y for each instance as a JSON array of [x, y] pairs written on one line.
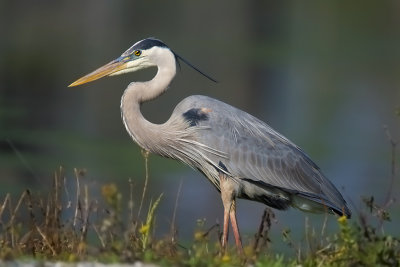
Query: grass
[[68, 224]]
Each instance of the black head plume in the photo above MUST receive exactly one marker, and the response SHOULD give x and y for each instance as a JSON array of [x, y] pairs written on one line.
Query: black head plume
[[178, 57]]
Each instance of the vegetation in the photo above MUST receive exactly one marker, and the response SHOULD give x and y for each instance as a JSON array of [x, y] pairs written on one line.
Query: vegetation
[[74, 227]]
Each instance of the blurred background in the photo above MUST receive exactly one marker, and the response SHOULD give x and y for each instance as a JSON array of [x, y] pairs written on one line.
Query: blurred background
[[324, 74]]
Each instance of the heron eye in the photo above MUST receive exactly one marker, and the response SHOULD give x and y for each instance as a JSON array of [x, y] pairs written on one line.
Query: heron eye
[[137, 53]]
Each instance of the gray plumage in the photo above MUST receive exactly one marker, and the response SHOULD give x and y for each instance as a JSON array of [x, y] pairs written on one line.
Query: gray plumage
[[242, 156], [268, 167]]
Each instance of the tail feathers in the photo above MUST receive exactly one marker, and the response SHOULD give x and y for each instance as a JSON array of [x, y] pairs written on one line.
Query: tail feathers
[[315, 203], [304, 201]]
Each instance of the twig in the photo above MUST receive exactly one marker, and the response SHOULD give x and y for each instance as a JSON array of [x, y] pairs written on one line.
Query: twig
[[145, 154], [260, 230], [216, 225], [78, 190], [57, 197], [263, 230], [30, 207], [268, 220]]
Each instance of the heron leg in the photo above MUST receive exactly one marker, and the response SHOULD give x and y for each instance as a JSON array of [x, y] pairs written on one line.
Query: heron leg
[[228, 194], [235, 227], [225, 232]]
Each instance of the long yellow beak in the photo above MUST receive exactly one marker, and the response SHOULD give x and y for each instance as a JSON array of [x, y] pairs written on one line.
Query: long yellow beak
[[108, 69]]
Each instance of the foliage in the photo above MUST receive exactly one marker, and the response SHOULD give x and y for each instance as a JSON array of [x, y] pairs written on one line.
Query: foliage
[[60, 228]]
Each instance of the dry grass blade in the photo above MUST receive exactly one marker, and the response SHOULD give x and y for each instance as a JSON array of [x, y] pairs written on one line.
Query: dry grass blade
[[14, 213], [103, 244], [69, 202], [3, 206], [323, 228], [145, 154], [45, 239], [11, 225], [173, 227], [85, 214]]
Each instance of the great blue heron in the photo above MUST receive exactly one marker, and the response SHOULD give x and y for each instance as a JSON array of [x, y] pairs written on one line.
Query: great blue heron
[[242, 156]]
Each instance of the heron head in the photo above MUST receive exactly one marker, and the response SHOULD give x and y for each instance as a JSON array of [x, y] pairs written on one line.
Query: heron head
[[137, 57], [146, 53]]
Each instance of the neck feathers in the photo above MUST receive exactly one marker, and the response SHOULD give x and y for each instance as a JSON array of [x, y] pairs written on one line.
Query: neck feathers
[[136, 93], [164, 59], [156, 86]]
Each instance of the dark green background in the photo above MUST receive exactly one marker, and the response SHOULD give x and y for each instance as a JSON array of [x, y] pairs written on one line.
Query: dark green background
[[323, 73]]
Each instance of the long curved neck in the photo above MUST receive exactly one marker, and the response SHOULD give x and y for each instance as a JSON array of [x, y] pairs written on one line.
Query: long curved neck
[[145, 133]]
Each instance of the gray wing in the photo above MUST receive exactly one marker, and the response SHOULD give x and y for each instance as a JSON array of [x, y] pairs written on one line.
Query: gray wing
[[261, 157]]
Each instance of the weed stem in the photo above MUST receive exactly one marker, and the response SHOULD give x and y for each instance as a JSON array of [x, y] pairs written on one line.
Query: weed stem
[[145, 154]]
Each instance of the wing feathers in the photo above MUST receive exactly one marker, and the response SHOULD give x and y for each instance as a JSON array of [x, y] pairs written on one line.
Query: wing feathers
[[262, 157]]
